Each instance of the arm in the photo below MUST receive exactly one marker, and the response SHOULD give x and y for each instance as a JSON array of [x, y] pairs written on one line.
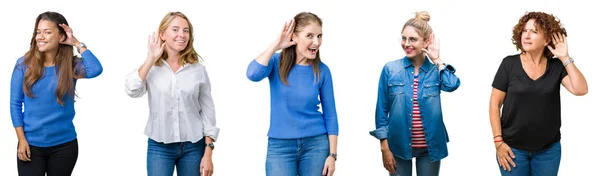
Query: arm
[[330, 117], [89, 64], [17, 95], [208, 110], [574, 81], [328, 103], [496, 101], [449, 81], [16, 110], [262, 66], [135, 86], [382, 110]]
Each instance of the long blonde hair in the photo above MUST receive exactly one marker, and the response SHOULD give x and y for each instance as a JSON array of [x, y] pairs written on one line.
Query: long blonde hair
[[189, 54]]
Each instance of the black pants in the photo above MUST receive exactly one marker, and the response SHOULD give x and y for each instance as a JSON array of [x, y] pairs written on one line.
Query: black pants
[[57, 160]]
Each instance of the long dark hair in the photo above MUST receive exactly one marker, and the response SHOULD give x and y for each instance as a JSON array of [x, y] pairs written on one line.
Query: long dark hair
[[65, 63]]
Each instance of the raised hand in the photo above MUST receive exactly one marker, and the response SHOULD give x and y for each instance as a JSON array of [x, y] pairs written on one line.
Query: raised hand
[[155, 47], [70, 40], [284, 39], [433, 49], [560, 49]]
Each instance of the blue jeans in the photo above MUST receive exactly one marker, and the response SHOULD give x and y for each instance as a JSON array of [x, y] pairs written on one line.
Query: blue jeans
[[293, 157], [162, 158], [540, 163], [424, 165]]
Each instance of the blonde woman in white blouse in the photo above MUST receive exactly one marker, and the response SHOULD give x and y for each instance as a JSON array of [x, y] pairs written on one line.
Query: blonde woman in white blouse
[[181, 126]]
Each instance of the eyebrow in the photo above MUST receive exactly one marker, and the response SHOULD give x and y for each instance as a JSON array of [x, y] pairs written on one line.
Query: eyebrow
[[180, 27]]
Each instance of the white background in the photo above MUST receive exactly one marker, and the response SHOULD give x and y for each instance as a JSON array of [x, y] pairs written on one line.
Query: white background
[[359, 38]]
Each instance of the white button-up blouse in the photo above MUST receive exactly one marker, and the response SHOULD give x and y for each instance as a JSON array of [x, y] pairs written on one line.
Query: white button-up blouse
[[180, 103]]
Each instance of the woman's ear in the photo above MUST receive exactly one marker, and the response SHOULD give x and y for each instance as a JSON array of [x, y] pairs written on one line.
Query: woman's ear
[[294, 37], [161, 35]]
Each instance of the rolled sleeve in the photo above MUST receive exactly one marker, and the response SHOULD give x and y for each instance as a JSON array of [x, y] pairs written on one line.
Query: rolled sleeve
[[134, 85], [380, 133], [209, 120]]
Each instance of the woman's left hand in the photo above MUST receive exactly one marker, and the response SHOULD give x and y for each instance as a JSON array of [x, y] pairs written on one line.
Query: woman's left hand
[[70, 40], [329, 166], [206, 166], [560, 50], [433, 49]]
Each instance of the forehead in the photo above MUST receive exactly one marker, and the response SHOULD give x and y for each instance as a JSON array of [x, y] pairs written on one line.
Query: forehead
[[531, 24], [410, 31], [45, 24], [312, 28], [179, 22]]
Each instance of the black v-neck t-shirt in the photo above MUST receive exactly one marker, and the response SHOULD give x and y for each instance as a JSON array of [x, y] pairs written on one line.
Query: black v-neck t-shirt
[[531, 116]]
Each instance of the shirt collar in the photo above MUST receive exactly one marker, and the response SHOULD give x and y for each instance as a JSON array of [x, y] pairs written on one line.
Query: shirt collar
[[425, 67]]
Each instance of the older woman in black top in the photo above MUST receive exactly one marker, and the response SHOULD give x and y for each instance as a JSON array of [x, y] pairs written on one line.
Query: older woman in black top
[[527, 88]]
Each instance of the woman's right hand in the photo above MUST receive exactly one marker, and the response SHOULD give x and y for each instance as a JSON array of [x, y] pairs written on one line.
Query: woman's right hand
[[388, 161], [155, 47], [284, 39], [505, 156], [23, 152]]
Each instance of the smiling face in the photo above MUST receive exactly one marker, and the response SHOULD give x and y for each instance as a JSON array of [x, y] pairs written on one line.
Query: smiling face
[[412, 43], [47, 36], [177, 34], [308, 40], [533, 39]]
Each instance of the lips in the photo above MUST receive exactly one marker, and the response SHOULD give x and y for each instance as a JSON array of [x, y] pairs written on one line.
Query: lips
[[409, 50], [313, 51], [41, 43]]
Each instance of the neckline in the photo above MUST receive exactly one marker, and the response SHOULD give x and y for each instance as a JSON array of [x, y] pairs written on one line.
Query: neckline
[[525, 72]]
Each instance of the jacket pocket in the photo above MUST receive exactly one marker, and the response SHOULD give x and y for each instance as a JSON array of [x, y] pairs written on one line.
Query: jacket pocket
[[396, 87], [431, 89]]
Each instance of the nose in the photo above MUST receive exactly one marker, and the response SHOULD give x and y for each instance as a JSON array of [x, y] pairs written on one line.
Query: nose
[[316, 40], [527, 35]]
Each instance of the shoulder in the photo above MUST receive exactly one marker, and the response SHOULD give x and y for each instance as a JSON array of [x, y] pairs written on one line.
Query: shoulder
[[394, 65], [198, 66], [21, 63], [512, 58], [276, 56]]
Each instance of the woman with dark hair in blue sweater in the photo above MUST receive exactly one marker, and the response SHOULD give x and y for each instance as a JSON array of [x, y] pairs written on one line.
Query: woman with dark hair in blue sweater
[[42, 95]]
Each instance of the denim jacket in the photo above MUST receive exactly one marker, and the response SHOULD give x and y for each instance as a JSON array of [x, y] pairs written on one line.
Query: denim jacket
[[393, 114]]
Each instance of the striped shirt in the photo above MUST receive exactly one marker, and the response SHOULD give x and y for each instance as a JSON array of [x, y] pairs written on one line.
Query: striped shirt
[[418, 135]]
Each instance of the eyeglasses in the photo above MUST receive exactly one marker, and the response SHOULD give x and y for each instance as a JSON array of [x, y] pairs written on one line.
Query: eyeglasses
[[409, 40]]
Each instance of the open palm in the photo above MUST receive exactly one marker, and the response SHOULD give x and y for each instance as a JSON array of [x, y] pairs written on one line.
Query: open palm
[[560, 50], [433, 50], [285, 38]]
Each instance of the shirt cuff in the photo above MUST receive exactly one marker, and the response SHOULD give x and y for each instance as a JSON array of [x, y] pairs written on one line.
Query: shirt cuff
[[134, 82], [212, 132], [380, 133]]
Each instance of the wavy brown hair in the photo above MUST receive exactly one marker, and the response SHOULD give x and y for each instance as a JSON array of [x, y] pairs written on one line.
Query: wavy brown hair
[[547, 24], [189, 54], [64, 61], [288, 55]]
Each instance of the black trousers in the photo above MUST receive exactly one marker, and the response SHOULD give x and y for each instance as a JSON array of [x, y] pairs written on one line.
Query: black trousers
[[57, 160]]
